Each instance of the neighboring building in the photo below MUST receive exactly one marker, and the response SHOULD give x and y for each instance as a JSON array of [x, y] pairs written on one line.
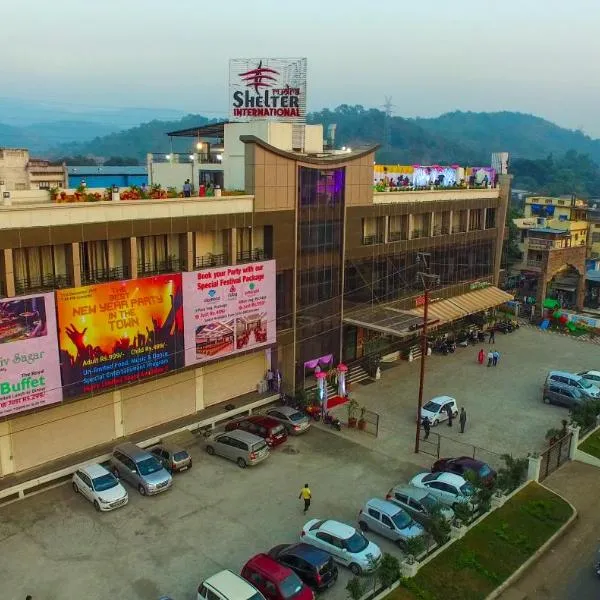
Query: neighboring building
[[564, 208], [104, 177], [346, 270], [20, 172]]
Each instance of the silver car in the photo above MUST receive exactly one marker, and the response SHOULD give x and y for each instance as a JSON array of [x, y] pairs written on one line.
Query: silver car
[[389, 520], [240, 446], [140, 468], [419, 503], [174, 460], [295, 422]]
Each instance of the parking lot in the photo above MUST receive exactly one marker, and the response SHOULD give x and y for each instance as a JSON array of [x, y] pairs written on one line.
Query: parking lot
[[503, 403], [55, 546]]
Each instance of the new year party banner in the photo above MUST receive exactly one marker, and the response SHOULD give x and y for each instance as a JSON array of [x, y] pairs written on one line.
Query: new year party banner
[[228, 310], [29, 363], [120, 332]]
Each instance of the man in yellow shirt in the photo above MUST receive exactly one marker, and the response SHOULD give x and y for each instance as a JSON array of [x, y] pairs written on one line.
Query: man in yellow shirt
[[306, 495]]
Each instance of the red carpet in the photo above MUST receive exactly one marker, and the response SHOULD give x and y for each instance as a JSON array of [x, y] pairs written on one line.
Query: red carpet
[[335, 401]]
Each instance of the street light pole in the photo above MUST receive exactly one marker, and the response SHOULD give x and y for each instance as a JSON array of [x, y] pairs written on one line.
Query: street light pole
[[428, 281]]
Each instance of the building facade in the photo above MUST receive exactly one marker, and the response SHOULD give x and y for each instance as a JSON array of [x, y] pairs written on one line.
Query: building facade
[[346, 265], [19, 172]]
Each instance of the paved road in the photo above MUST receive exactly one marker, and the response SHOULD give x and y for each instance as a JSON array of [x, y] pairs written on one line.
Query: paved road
[[566, 572]]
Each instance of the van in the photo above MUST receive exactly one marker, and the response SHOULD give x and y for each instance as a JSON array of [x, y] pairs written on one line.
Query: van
[[575, 381], [240, 446], [226, 585], [140, 468]]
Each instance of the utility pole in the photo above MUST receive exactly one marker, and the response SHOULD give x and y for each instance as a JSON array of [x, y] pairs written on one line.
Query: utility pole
[[429, 281]]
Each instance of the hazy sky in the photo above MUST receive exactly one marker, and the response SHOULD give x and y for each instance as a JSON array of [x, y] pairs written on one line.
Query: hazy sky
[[431, 56]]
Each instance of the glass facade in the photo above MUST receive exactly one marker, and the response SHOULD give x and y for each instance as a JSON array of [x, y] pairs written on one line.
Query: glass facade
[[319, 259]]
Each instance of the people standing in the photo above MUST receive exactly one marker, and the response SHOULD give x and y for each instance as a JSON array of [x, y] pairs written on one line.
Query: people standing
[[306, 495], [462, 419], [449, 411], [496, 357], [490, 358], [481, 356], [492, 336], [270, 379], [426, 427], [187, 189]]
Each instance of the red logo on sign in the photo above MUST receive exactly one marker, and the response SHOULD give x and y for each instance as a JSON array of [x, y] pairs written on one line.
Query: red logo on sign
[[261, 77]]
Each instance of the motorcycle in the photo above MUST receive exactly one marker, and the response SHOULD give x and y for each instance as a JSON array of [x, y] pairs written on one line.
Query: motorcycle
[[332, 421], [314, 411]]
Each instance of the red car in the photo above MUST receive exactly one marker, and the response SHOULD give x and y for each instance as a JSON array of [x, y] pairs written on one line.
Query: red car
[[465, 464], [271, 430], [274, 580]]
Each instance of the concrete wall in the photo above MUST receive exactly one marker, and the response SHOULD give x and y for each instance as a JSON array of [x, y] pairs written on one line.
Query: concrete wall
[[313, 139], [31, 440], [28, 197], [172, 174], [13, 168]]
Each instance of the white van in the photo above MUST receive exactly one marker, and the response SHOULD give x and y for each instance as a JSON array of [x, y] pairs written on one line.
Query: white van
[[227, 586]]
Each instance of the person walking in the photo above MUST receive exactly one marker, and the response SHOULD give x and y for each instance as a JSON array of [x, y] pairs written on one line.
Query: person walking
[[306, 495], [462, 419], [496, 357], [426, 427], [490, 356], [481, 356], [449, 411], [492, 336], [187, 189]]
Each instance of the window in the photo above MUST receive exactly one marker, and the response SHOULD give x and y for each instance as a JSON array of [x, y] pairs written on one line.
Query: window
[[40, 268], [210, 595], [415, 505], [387, 521], [93, 257], [374, 513]]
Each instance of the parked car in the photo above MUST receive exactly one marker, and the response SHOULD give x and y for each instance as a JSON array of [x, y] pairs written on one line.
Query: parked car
[[314, 566], [348, 546], [173, 460], [436, 410], [267, 428], [563, 395], [592, 376], [294, 421], [140, 468], [226, 585], [574, 381], [240, 446], [465, 464], [420, 503], [100, 487], [389, 520], [448, 488], [274, 580]]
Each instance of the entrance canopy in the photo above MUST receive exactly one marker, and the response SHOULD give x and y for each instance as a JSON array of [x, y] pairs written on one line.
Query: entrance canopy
[[461, 306], [403, 323]]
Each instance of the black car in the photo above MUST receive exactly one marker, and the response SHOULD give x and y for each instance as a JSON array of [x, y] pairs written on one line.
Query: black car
[[314, 566], [465, 464]]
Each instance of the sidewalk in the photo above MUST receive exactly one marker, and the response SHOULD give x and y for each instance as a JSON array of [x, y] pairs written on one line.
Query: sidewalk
[[164, 429], [565, 571]]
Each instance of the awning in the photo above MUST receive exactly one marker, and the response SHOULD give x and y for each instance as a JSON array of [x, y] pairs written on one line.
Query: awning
[[390, 321], [458, 307]]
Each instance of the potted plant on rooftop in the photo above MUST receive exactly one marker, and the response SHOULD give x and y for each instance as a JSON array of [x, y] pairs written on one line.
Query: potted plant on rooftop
[[352, 408]]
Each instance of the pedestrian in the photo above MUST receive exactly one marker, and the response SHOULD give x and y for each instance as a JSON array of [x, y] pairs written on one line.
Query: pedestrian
[[481, 356], [492, 336], [270, 380], [426, 424], [187, 189], [449, 411], [306, 495], [490, 358], [462, 419], [496, 357]]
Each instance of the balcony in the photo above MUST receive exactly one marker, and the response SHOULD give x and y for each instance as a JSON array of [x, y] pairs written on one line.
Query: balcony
[[170, 265], [397, 236], [103, 275], [42, 283], [210, 260], [371, 240], [536, 264], [436, 195], [245, 256]]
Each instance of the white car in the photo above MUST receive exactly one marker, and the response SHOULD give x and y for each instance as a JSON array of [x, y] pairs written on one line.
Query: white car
[[100, 487], [592, 376], [347, 546], [436, 409], [450, 489]]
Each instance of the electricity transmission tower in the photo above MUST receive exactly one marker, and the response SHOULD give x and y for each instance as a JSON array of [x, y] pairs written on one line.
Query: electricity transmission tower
[[387, 123]]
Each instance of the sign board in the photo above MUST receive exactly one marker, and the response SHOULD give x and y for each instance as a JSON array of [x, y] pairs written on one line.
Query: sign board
[[120, 332], [267, 88], [29, 360], [228, 310]]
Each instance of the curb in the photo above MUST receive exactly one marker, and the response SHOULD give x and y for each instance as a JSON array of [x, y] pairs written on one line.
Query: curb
[[539, 552]]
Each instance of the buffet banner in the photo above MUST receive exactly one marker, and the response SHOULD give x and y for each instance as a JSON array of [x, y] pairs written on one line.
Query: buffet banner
[[120, 332], [228, 310], [29, 362]]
